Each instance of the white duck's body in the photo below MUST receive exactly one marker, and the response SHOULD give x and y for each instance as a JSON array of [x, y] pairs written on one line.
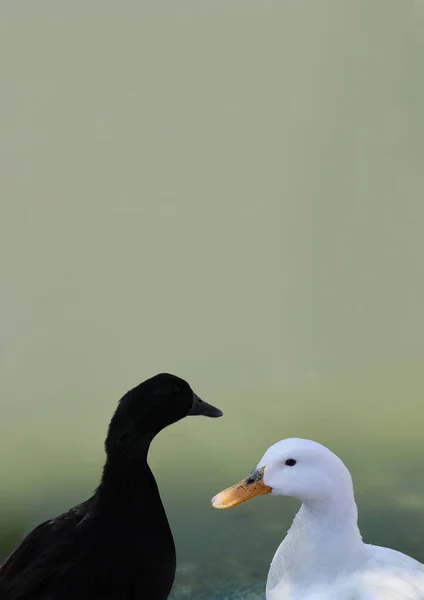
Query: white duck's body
[[307, 568], [323, 556]]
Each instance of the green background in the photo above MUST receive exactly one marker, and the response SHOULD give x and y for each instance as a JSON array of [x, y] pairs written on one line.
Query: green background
[[233, 192]]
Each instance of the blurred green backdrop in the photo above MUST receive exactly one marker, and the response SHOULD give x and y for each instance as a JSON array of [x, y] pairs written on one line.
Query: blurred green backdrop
[[231, 191]]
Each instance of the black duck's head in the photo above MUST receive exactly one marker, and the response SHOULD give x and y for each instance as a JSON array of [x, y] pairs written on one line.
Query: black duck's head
[[150, 407]]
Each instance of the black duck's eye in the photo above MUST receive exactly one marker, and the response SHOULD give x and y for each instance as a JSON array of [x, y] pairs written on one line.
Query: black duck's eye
[[290, 462], [177, 389]]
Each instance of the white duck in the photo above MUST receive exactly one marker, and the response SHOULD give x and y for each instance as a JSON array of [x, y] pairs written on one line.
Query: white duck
[[323, 556]]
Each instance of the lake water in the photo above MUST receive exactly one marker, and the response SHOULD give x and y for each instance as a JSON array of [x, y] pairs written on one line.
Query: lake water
[[231, 192]]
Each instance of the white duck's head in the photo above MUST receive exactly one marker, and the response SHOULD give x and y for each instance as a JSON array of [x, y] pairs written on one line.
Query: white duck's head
[[303, 469]]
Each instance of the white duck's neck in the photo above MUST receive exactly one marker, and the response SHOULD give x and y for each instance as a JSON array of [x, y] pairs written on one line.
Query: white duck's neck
[[323, 541]]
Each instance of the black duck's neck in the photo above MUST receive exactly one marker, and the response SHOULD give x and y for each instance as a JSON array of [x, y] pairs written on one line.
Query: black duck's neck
[[130, 521], [128, 488]]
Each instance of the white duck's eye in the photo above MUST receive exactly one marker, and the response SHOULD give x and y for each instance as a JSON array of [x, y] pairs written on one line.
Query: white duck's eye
[[290, 462]]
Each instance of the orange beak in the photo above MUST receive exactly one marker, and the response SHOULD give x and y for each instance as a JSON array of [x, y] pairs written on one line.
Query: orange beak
[[244, 490]]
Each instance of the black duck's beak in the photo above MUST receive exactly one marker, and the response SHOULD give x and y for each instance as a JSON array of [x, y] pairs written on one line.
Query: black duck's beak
[[203, 408]]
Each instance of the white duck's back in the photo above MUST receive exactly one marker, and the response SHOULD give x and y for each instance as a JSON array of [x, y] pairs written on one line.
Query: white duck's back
[[386, 575]]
